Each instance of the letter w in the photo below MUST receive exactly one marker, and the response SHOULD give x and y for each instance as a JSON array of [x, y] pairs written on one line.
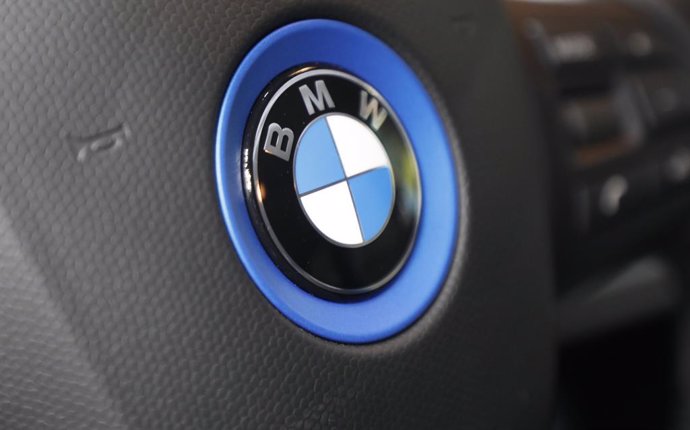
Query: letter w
[[370, 108]]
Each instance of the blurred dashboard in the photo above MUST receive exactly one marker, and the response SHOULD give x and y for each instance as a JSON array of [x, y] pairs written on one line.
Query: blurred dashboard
[[612, 84]]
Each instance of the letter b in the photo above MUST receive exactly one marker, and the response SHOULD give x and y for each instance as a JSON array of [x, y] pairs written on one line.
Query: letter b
[[281, 146]]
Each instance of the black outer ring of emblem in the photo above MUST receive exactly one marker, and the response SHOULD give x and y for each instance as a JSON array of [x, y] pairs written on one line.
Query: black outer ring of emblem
[[303, 254]]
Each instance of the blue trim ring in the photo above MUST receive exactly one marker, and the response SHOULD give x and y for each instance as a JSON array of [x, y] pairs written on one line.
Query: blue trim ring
[[415, 287]]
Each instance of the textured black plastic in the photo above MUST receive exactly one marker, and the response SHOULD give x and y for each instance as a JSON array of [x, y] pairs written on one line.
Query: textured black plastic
[[122, 303]]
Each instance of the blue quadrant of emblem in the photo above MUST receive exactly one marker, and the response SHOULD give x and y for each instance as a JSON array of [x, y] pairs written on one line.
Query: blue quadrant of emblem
[[316, 162], [372, 193]]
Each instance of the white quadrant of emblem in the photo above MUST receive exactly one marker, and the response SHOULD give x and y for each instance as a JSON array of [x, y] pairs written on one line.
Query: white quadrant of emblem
[[332, 212], [359, 148], [344, 179]]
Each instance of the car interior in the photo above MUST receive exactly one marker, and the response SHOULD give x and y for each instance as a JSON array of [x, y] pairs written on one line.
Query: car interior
[[345, 214]]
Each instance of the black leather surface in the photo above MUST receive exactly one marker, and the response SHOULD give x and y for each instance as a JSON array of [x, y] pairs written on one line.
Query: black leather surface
[[122, 303]]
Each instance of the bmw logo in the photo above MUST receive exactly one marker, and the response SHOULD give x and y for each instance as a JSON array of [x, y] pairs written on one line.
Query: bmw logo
[[331, 181], [336, 181]]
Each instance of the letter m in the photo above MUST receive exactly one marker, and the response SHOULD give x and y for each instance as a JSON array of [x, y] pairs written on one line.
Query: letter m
[[321, 99]]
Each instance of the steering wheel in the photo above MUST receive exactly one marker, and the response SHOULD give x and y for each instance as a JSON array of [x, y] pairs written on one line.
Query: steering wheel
[[124, 300]]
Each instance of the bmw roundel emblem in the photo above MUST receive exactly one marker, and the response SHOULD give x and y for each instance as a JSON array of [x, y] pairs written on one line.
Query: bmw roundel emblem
[[337, 182], [331, 181]]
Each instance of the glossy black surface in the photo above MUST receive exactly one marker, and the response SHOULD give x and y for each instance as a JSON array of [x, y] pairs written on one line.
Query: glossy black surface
[[302, 253]]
